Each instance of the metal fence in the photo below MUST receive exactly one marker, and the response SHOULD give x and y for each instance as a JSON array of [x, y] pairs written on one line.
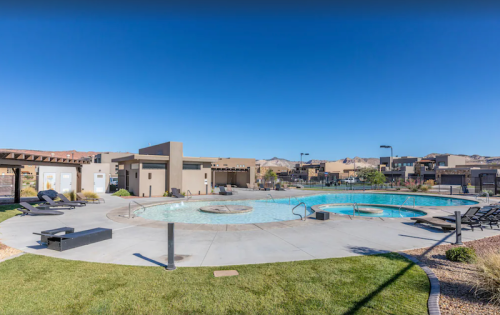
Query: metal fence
[[7, 185]]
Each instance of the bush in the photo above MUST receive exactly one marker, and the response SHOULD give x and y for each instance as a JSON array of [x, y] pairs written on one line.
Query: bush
[[28, 192], [424, 188], [430, 182], [122, 193], [488, 279], [70, 195], [90, 194], [167, 194], [461, 254], [414, 189], [489, 192]]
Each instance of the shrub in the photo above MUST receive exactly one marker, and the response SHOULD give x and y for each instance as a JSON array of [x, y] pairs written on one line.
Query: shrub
[[71, 195], [489, 192], [424, 188], [488, 277], [167, 194], [461, 254], [398, 188], [414, 188], [90, 194], [122, 193], [430, 182], [28, 192]]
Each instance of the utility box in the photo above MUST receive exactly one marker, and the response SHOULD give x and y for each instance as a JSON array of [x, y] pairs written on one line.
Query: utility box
[[322, 215]]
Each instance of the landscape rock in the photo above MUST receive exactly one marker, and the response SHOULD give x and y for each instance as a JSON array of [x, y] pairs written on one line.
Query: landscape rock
[[51, 193]]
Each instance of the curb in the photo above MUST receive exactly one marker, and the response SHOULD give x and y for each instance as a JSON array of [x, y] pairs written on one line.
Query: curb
[[12, 257], [433, 302]]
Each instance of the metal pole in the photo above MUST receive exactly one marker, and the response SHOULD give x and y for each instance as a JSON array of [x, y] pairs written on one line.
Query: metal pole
[[392, 170], [451, 190], [458, 220], [171, 262], [129, 211], [149, 191]]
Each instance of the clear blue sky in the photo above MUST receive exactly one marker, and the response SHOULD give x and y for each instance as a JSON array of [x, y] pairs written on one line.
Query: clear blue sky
[[252, 86]]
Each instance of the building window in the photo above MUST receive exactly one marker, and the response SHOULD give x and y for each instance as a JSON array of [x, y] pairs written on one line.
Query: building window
[[150, 175], [243, 165], [442, 164], [134, 166], [154, 166], [186, 166], [135, 174]]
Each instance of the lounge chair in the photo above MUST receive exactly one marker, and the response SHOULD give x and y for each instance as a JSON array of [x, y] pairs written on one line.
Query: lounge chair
[[54, 204], [474, 220], [66, 230], [261, 186], [470, 213], [223, 191], [446, 226], [28, 209], [81, 196], [177, 193], [278, 187], [66, 200], [229, 189], [72, 240]]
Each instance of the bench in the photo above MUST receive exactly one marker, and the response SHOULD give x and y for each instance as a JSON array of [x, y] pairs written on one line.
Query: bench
[[77, 239], [67, 230], [435, 222]]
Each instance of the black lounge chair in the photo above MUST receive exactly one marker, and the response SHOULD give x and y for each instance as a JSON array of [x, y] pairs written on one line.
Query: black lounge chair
[[278, 187], [88, 199], [28, 209], [223, 191], [66, 230], [177, 193], [446, 226], [470, 213], [72, 240], [474, 220], [66, 200], [261, 186], [54, 204]]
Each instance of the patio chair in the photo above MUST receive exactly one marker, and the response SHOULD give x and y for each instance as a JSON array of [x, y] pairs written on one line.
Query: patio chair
[[261, 186], [72, 240], [468, 214], [28, 209], [54, 204], [223, 191], [229, 189], [446, 226], [66, 200], [177, 193], [81, 196]]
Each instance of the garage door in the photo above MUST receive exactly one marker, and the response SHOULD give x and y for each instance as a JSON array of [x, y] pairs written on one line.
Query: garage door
[[452, 179]]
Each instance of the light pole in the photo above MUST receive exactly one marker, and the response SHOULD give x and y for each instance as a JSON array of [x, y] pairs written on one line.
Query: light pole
[[301, 161], [392, 163]]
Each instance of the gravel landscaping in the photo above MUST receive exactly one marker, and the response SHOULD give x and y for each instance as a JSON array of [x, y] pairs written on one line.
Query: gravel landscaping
[[457, 279]]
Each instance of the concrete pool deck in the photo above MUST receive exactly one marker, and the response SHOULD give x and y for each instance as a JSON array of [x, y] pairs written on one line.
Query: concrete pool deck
[[145, 243]]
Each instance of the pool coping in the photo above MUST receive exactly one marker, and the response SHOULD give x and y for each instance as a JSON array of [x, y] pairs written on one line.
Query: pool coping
[[120, 215], [317, 208]]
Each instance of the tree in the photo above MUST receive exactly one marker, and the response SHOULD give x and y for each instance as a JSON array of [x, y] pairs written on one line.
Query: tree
[[270, 175], [367, 173], [378, 178]]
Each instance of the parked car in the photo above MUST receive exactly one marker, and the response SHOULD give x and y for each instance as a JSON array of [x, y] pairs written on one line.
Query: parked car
[[350, 180]]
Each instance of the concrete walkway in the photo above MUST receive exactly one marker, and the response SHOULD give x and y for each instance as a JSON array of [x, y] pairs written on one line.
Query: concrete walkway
[[146, 244]]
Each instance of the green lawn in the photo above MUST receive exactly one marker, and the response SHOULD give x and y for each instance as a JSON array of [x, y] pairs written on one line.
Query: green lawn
[[8, 211], [379, 284]]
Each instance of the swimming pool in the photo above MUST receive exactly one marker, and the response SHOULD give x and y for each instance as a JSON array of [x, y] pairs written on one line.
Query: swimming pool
[[386, 212], [268, 211]]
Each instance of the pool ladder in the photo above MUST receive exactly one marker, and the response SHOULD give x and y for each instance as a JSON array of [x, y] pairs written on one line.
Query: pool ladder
[[354, 208], [129, 210], [270, 197], [189, 195], [404, 204], [305, 211], [289, 199]]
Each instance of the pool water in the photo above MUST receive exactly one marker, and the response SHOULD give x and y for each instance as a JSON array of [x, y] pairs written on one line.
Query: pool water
[[268, 211], [386, 211]]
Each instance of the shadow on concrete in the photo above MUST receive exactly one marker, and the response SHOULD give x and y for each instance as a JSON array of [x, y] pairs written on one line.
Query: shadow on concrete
[[39, 246], [426, 227], [360, 250], [150, 260], [439, 242]]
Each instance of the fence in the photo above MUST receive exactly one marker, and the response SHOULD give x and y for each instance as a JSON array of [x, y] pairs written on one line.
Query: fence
[[6, 185]]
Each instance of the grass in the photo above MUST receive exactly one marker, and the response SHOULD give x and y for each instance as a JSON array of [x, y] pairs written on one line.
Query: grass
[[379, 284], [488, 280], [8, 211]]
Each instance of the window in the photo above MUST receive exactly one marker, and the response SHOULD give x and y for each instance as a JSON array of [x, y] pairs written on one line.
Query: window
[[134, 166], [243, 165], [150, 175], [116, 167], [442, 164], [191, 166], [135, 174], [153, 166]]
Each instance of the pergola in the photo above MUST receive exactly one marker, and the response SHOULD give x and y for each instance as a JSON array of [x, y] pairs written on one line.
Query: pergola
[[16, 161]]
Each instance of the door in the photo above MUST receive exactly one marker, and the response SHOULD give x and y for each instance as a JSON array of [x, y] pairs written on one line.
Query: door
[[452, 179], [99, 182], [49, 181], [66, 180]]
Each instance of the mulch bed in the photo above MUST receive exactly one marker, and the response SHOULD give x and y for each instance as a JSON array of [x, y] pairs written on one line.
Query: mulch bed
[[457, 279], [6, 251]]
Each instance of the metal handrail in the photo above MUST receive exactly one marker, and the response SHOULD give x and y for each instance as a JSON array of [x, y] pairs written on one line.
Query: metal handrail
[[271, 198], [354, 207], [404, 203], [187, 195], [305, 211], [289, 198], [129, 212]]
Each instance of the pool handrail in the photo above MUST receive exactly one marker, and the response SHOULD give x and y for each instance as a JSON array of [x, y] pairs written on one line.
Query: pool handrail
[[354, 207], [129, 212], [405, 202], [271, 198], [189, 195], [305, 211], [289, 198]]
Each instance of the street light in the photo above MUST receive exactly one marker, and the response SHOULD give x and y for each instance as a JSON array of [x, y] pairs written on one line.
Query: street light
[[392, 163], [301, 162]]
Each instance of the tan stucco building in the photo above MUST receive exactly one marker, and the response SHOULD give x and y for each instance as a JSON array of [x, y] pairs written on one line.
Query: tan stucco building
[[159, 168]]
